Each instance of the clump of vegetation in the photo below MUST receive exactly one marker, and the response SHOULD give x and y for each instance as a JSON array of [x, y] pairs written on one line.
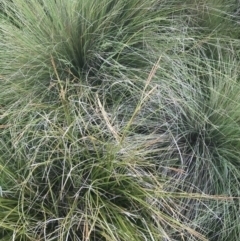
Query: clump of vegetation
[[119, 120]]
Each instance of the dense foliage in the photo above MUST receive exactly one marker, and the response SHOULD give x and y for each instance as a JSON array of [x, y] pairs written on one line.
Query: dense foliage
[[119, 120]]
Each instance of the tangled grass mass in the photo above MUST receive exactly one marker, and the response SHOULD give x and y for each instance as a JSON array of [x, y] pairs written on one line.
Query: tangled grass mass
[[119, 120]]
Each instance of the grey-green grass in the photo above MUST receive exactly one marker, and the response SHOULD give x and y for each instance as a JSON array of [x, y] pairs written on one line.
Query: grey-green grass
[[95, 145], [201, 125]]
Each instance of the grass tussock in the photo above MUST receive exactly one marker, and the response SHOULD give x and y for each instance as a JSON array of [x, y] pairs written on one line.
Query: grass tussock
[[119, 120]]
